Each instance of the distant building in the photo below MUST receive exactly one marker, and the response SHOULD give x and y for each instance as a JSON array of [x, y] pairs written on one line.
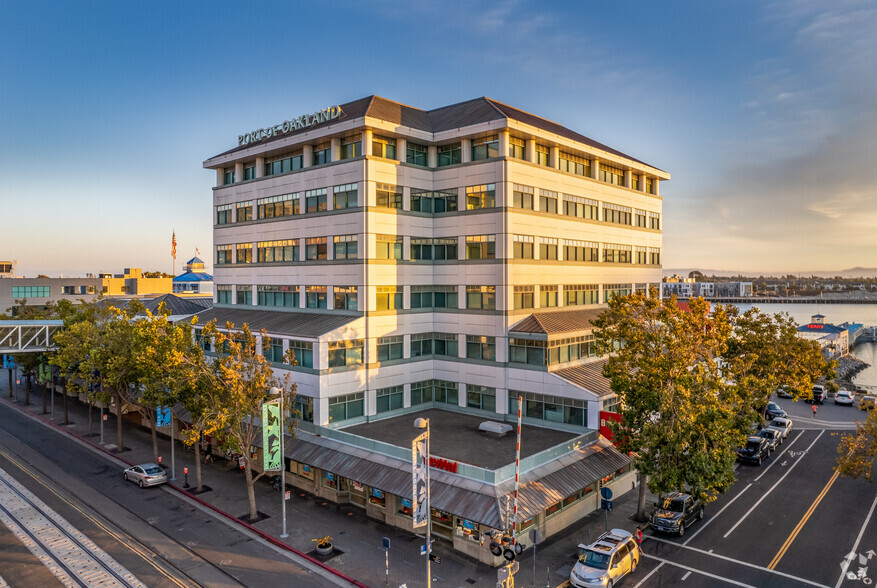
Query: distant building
[[195, 281], [833, 339], [6, 269], [689, 288]]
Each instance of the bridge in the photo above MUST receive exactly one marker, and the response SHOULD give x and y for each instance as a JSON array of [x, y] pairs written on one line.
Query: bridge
[[28, 336]]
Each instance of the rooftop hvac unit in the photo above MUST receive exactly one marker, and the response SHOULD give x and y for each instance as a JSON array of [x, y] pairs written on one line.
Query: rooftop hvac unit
[[495, 429]]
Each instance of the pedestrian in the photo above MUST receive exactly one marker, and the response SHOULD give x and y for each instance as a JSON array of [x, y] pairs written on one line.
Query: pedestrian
[[208, 454], [639, 536], [814, 410]]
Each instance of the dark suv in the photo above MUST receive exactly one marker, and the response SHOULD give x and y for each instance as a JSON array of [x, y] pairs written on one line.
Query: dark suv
[[675, 512], [755, 450]]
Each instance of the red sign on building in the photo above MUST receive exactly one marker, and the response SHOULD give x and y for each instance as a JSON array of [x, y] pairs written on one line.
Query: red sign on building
[[605, 417], [443, 464]]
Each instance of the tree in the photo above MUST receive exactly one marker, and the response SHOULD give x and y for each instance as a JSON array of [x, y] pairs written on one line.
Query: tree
[[239, 379], [857, 451], [677, 419]]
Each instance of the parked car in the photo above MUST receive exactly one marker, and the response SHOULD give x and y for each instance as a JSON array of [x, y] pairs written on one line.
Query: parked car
[[773, 411], [605, 561], [818, 395], [755, 451], [147, 474], [867, 402], [844, 397], [773, 438], [783, 393], [781, 425], [861, 391], [676, 512]]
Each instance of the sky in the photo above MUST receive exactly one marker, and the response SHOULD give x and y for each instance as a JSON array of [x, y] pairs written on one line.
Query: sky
[[764, 112]]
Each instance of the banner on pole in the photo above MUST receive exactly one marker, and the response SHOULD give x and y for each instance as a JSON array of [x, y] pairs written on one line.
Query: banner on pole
[[419, 467], [45, 373], [163, 416], [271, 436]]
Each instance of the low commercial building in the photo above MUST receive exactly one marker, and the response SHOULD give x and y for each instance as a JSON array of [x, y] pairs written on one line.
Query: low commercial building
[[833, 339]]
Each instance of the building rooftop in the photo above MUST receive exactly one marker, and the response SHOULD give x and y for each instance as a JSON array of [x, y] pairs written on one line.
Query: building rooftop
[[455, 436], [558, 322], [295, 323]]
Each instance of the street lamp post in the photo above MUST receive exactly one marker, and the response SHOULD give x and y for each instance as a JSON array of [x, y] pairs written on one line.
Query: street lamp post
[[422, 423], [275, 391]]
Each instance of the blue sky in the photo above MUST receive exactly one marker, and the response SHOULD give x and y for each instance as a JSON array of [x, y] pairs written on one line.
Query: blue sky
[[763, 111]]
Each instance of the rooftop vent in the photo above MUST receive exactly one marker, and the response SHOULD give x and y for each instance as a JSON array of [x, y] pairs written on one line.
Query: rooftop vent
[[494, 429]]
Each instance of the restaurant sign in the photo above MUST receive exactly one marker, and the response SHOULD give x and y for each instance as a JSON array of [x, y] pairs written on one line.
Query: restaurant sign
[[302, 122]]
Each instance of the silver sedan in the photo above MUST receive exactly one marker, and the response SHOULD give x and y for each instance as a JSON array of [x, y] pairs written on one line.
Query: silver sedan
[[781, 426], [147, 474]]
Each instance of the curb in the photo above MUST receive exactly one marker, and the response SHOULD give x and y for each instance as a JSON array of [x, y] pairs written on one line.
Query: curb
[[252, 529]]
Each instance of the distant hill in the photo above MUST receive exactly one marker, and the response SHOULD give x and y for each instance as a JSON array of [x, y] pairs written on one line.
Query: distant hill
[[856, 272]]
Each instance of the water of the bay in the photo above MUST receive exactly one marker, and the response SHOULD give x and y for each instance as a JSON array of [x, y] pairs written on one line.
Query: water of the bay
[[865, 314]]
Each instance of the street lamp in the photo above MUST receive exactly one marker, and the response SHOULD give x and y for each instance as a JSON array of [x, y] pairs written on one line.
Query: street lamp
[[275, 391], [422, 423]]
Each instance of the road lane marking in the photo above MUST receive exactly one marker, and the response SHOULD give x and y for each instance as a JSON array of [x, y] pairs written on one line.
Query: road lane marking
[[856, 544], [695, 570], [786, 448], [766, 494], [646, 577], [794, 534], [740, 562], [685, 577], [715, 516]]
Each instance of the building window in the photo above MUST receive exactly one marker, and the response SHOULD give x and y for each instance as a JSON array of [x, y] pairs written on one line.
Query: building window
[[322, 154], [571, 349], [655, 221], [524, 297], [617, 253], [612, 290], [284, 165], [527, 351], [346, 246], [482, 397], [250, 173], [548, 201], [389, 298], [421, 344], [485, 148], [640, 255], [303, 351], [614, 213], [611, 175], [350, 149], [581, 207], [434, 344], [228, 177], [449, 154], [575, 165], [223, 214], [654, 256], [348, 406], [388, 246], [542, 156], [522, 197], [434, 391], [434, 297], [276, 206], [304, 405], [389, 348], [223, 294], [581, 251], [556, 409], [277, 251], [420, 249], [315, 248], [345, 196], [444, 248], [244, 211], [279, 296], [517, 147], [547, 248], [315, 296], [345, 297], [223, 254], [577, 295], [384, 147], [478, 347], [315, 200], [639, 218], [388, 196], [650, 186], [243, 253], [388, 398], [31, 291], [421, 393], [244, 295], [481, 297], [547, 296], [483, 196], [481, 247], [433, 202], [272, 349], [343, 353], [523, 247], [416, 154]]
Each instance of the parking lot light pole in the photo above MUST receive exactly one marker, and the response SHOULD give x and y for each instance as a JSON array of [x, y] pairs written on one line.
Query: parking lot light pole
[[275, 391]]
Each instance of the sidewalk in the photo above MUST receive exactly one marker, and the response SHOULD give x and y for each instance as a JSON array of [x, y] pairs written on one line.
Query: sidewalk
[[352, 532]]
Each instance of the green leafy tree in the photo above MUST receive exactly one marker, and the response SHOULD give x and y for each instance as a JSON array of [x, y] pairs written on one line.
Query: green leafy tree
[[857, 450]]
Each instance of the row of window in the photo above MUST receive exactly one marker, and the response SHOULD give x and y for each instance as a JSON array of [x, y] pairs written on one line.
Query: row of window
[[436, 249], [436, 201]]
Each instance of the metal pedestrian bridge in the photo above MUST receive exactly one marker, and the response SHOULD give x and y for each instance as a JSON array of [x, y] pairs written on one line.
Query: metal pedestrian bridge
[[28, 336]]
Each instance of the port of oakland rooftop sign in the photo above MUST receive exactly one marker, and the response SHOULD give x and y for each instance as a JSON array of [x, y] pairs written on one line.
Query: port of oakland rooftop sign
[[302, 122]]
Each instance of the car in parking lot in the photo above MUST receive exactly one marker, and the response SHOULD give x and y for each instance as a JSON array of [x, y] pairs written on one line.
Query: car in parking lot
[[781, 425], [818, 396], [605, 561], [844, 397], [675, 512], [773, 411], [782, 392], [773, 438], [147, 474], [867, 402], [755, 451]]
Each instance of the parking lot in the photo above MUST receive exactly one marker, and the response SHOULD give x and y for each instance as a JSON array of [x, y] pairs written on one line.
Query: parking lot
[[789, 522]]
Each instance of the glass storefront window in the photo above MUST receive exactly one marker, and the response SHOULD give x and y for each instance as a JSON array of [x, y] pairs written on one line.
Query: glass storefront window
[[376, 497], [468, 529], [405, 507], [329, 481]]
